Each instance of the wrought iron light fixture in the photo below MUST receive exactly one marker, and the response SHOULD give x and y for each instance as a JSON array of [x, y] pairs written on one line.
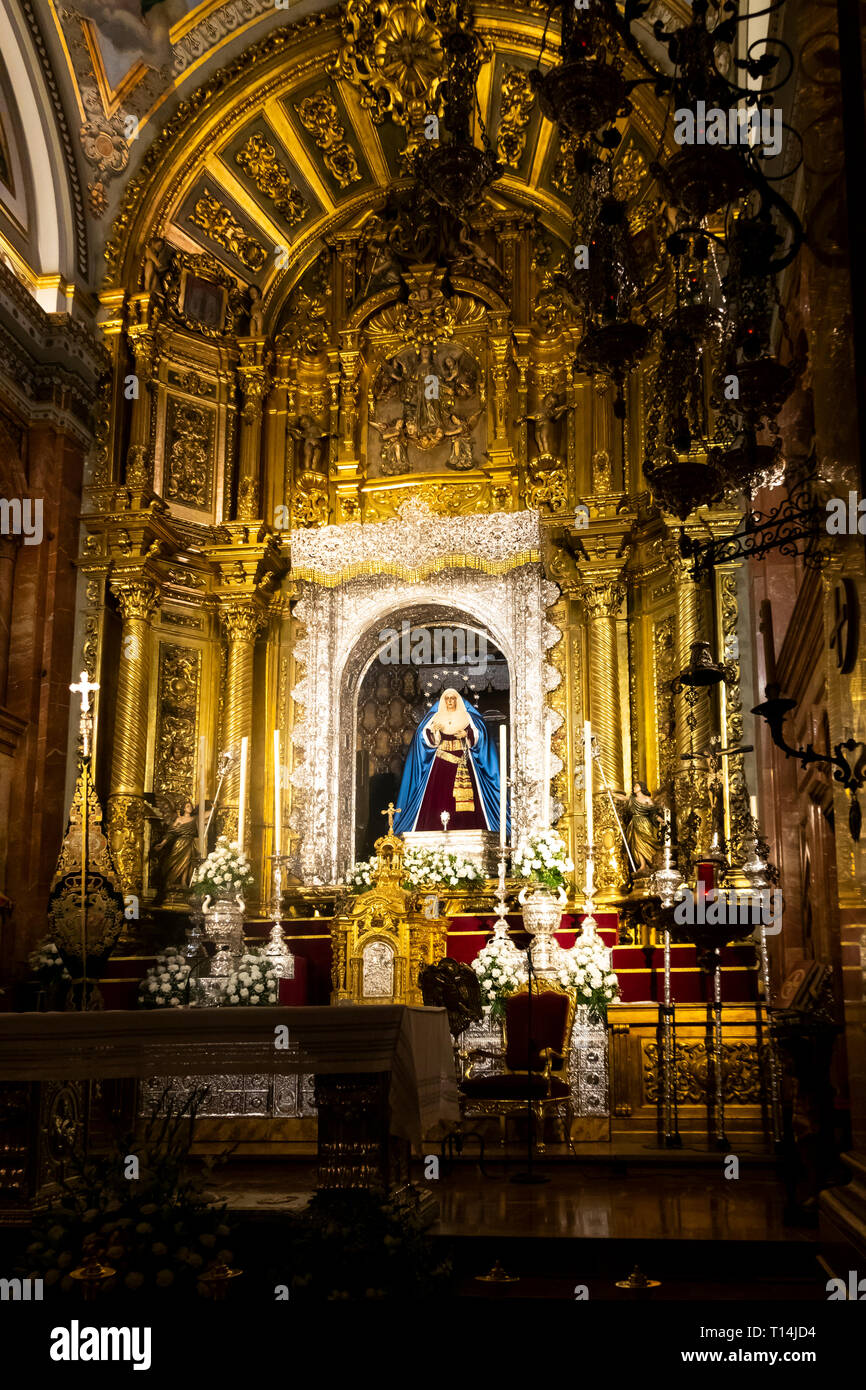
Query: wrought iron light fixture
[[849, 771]]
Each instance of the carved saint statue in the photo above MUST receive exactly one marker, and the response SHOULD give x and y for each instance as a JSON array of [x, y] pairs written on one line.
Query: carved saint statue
[[176, 854], [641, 820], [394, 452], [257, 312], [154, 264], [451, 767], [552, 408], [459, 431], [311, 432]]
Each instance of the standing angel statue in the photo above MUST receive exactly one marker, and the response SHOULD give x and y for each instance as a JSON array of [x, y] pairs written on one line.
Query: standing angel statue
[[176, 855], [642, 817]]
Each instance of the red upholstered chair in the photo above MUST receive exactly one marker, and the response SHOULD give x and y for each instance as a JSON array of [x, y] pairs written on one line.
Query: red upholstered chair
[[547, 1046]]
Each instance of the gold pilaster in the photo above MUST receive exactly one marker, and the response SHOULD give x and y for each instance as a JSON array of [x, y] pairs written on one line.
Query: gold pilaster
[[254, 382]]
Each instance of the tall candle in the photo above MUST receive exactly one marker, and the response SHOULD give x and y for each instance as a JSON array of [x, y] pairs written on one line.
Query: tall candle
[[278, 797], [242, 793], [202, 746], [587, 778], [503, 786], [545, 778], [753, 807]]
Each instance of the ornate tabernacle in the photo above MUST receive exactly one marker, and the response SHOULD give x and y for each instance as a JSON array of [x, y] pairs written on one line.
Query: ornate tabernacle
[[380, 942]]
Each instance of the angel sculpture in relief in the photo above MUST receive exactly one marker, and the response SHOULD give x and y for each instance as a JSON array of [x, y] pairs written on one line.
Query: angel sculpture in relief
[[462, 455], [394, 456]]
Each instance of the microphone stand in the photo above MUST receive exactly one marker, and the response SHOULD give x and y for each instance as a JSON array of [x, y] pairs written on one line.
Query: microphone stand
[[529, 1176]]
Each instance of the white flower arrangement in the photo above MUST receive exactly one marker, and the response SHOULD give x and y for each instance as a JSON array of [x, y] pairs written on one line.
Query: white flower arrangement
[[542, 859], [165, 984], [226, 873], [254, 982], [438, 868], [46, 962], [360, 877], [500, 968], [585, 968]]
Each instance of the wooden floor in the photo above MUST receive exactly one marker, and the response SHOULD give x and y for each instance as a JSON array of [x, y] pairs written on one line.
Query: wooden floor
[[597, 1216]]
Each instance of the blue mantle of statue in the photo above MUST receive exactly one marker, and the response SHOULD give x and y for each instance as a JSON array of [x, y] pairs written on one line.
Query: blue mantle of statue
[[419, 764]]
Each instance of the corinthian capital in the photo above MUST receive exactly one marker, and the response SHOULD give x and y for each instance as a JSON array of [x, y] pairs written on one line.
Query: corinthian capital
[[242, 620], [137, 597], [602, 597]]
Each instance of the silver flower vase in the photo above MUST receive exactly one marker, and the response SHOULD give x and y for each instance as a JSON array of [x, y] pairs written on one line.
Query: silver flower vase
[[542, 914], [224, 926]]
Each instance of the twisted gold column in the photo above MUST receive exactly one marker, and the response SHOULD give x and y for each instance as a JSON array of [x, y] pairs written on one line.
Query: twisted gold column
[[602, 600], [242, 620], [138, 598], [602, 597]]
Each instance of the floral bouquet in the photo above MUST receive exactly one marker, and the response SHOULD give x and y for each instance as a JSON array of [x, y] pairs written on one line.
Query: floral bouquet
[[254, 982], [586, 970], [165, 984], [47, 964], [226, 872], [500, 969], [360, 877], [439, 868], [542, 859]]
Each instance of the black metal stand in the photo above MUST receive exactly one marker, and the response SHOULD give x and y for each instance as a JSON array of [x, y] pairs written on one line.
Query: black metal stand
[[529, 1175]]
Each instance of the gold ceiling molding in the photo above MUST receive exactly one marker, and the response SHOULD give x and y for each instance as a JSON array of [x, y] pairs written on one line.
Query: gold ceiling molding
[[258, 160], [167, 161], [286, 60], [319, 116]]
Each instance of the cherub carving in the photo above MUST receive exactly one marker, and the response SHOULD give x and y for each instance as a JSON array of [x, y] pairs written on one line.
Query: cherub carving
[[544, 420]]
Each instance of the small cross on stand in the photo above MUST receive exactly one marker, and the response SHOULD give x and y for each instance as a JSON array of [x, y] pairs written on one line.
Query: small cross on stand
[[85, 688], [391, 812]]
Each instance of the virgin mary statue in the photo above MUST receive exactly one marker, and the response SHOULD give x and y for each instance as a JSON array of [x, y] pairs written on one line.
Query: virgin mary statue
[[451, 767]]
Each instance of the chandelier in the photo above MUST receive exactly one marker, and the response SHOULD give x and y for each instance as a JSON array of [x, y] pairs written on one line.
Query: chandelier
[[678, 464], [604, 280], [453, 170], [588, 88], [752, 383]]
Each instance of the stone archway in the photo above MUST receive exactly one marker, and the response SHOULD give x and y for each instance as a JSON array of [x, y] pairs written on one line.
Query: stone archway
[[491, 580]]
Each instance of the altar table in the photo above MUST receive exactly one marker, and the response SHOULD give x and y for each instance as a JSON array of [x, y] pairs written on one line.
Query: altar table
[[384, 1074]]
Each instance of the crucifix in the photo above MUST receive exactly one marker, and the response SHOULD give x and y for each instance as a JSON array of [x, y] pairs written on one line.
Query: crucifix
[[713, 755], [85, 688], [391, 812]]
